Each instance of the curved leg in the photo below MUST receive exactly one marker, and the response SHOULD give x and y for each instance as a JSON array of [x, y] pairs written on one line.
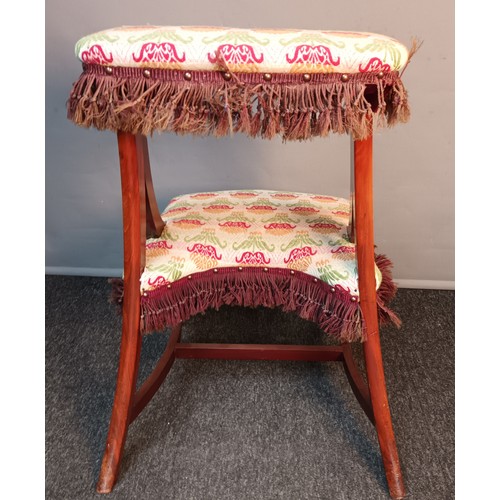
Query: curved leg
[[157, 376], [357, 382], [154, 221], [125, 388], [133, 235], [363, 220], [382, 413]]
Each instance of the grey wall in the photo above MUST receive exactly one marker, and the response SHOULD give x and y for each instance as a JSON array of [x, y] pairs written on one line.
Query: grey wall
[[414, 163]]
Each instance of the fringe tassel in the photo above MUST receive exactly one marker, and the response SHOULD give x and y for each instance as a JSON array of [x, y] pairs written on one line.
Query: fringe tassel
[[220, 102], [332, 309]]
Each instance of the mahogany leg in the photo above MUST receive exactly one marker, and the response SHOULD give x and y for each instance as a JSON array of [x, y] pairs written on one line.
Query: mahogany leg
[[382, 413], [157, 376], [357, 382], [363, 220], [154, 221], [133, 234]]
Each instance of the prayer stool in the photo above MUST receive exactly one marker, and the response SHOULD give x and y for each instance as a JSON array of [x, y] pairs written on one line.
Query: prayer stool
[[304, 253]]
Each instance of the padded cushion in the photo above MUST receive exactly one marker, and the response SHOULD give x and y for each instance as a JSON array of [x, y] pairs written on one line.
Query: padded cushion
[[243, 50], [259, 229]]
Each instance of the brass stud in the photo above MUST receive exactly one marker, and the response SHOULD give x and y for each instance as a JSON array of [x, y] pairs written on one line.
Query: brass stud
[[344, 77], [315, 280], [306, 77], [188, 76], [144, 294], [267, 77], [226, 76], [292, 272], [146, 73], [354, 299], [109, 70], [266, 269], [216, 270], [240, 268], [380, 75], [169, 286], [190, 277], [332, 289]]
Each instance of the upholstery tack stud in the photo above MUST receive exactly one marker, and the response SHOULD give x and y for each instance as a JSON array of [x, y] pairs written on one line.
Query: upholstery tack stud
[[216, 270], [226, 76], [380, 75], [267, 77], [344, 77], [146, 73], [109, 70], [306, 77], [188, 76]]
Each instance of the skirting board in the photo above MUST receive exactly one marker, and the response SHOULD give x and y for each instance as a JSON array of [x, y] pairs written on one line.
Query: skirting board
[[113, 273]]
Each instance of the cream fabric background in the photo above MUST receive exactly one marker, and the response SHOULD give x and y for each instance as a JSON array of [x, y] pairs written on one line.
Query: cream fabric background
[[414, 163]]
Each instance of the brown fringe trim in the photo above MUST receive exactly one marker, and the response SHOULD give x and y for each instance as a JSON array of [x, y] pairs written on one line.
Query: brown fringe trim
[[331, 308], [142, 101], [416, 43]]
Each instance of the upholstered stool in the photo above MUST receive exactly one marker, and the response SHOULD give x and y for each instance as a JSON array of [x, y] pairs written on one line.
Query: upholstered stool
[[308, 254]]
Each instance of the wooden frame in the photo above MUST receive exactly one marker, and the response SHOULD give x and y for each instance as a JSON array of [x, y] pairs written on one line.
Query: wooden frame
[[141, 217]]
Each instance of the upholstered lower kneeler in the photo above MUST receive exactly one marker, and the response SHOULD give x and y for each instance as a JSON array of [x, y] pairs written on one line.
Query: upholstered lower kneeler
[[258, 248]]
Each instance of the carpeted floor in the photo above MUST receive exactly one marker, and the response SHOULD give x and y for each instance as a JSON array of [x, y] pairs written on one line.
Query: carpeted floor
[[232, 430]]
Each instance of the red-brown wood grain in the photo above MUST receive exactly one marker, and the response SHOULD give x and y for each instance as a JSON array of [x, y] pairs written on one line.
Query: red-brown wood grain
[[258, 352], [357, 382], [365, 249], [133, 238], [154, 222], [139, 211], [157, 376]]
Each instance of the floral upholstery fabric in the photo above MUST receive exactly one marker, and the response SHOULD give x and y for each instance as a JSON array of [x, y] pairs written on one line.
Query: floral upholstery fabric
[[266, 229], [243, 50]]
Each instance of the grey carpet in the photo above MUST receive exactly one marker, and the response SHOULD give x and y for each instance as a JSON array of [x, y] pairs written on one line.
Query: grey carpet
[[246, 430]]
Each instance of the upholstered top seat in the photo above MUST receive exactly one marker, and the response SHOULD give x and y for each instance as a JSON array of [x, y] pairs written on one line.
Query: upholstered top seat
[[256, 247], [197, 48], [202, 80]]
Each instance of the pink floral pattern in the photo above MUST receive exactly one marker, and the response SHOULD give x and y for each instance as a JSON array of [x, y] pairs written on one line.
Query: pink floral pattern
[[159, 53], [312, 55], [374, 64], [243, 50], [96, 55], [253, 259], [257, 229], [237, 54]]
